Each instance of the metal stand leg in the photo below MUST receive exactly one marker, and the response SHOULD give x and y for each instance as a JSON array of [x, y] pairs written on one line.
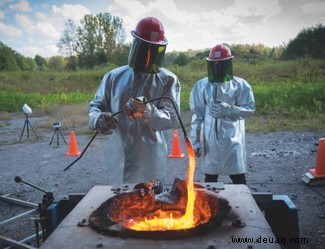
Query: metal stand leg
[[53, 137], [32, 129], [22, 132], [26, 125], [62, 137], [57, 131]]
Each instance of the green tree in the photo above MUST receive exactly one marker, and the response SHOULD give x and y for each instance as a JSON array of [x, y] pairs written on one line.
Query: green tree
[[181, 59], [169, 58], [25, 63], [309, 43], [56, 63], [7, 59], [276, 52], [41, 62], [121, 54], [68, 42], [72, 63], [96, 41]]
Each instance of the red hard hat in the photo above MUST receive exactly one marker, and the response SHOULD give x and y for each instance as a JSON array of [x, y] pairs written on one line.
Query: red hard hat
[[150, 30], [219, 52]]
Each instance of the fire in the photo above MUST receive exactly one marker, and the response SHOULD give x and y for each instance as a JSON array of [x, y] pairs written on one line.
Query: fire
[[169, 220], [149, 207]]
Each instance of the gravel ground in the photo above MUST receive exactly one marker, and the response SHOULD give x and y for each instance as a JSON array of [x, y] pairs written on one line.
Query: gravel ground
[[276, 161]]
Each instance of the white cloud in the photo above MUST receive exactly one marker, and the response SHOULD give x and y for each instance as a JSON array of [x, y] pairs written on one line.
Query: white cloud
[[310, 8], [22, 6], [25, 22], [207, 27], [230, 25], [216, 20], [170, 11], [126, 10], [41, 46], [128, 7], [29, 49], [70, 11], [9, 31], [45, 49], [255, 8], [41, 16], [40, 28], [165, 10], [195, 25], [47, 30], [50, 50]]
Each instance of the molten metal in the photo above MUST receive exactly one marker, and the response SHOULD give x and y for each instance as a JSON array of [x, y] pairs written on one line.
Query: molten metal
[[167, 219], [148, 208]]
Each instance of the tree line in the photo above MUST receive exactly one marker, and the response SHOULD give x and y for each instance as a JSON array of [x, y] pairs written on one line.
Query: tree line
[[100, 40], [309, 43]]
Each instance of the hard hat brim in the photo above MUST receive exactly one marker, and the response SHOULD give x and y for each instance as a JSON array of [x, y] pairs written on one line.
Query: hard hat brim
[[231, 57], [164, 42]]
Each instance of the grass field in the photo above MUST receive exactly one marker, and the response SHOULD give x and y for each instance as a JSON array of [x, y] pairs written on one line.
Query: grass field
[[290, 95]]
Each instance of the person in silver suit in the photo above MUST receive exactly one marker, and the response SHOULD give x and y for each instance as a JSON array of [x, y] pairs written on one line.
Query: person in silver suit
[[137, 145], [220, 103]]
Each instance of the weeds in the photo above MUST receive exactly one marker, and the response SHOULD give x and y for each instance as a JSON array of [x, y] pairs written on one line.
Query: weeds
[[288, 94]]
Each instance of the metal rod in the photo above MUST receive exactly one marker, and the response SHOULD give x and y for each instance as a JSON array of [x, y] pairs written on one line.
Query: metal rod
[[81, 152], [116, 113], [17, 216], [31, 237], [14, 243], [18, 179], [17, 201], [120, 111]]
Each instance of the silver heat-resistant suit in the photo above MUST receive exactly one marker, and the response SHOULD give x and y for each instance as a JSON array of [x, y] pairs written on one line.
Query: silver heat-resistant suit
[[137, 150], [223, 136], [137, 145]]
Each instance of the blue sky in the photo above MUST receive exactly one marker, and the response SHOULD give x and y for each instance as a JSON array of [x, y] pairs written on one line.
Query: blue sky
[[35, 26]]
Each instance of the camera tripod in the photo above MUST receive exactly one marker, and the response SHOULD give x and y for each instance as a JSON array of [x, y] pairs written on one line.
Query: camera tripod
[[57, 131], [27, 125]]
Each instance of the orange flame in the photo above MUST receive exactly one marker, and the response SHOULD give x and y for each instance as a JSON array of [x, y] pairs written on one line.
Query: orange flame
[[171, 220]]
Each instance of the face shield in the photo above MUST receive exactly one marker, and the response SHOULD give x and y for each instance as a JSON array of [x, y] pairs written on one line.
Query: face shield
[[146, 57], [220, 71]]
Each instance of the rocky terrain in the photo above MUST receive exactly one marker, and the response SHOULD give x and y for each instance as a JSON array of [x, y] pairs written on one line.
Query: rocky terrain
[[276, 162]]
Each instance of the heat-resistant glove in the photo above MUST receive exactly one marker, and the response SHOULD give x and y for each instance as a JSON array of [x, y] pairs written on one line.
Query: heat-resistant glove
[[219, 110], [106, 123], [136, 108]]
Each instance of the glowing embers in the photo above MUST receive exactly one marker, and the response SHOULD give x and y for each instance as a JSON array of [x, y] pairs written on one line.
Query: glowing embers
[[148, 202], [148, 208], [152, 212]]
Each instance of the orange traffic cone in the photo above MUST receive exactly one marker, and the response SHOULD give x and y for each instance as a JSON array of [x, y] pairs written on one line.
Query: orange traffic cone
[[73, 149], [319, 170], [176, 147]]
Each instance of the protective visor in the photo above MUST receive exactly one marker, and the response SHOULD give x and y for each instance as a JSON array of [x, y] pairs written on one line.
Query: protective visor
[[220, 71], [146, 57]]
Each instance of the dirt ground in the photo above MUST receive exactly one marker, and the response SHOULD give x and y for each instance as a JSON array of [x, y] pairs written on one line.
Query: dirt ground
[[276, 162]]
